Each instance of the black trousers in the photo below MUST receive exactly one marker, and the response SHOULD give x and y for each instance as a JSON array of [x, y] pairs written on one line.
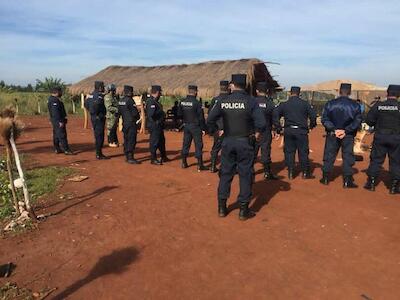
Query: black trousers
[[265, 145], [297, 142], [130, 137], [385, 144], [217, 146], [192, 132], [98, 129], [157, 140], [113, 136], [332, 146], [237, 156], [60, 137]]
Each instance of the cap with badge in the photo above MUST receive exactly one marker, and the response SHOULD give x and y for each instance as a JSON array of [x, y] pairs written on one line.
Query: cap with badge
[[239, 79], [262, 86], [295, 90], [56, 90], [393, 90], [128, 90], [192, 87], [156, 88], [345, 87], [98, 85]]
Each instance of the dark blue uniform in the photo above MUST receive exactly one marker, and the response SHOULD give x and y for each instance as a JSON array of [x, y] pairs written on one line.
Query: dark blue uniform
[[296, 113], [155, 124], [130, 115], [95, 105], [385, 117], [341, 113], [217, 145], [58, 118], [191, 111], [267, 107], [241, 116]]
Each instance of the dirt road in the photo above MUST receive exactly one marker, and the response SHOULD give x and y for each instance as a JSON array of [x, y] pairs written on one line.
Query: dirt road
[[148, 232]]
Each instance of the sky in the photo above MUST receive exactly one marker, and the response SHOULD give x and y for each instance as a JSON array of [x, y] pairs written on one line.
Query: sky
[[312, 40]]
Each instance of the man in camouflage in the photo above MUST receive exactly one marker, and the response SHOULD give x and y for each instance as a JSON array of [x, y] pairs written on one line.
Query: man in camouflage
[[111, 103]]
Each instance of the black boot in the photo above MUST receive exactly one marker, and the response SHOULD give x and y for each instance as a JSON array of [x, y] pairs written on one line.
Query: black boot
[[164, 158], [394, 187], [307, 174], [268, 174], [155, 161], [245, 212], [371, 184], [348, 182], [58, 151], [131, 160], [101, 156], [69, 152], [214, 168], [290, 174], [222, 209], [184, 163], [200, 165], [325, 178]]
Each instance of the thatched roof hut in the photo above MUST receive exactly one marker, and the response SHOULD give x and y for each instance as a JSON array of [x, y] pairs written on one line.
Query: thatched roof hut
[[175, 78]]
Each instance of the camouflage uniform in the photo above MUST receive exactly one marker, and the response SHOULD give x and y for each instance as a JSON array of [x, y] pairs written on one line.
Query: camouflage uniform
[[111, 103]]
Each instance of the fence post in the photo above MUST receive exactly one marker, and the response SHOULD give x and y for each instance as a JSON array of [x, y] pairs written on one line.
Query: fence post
[[38, 106], [85, 121], [16, 105]]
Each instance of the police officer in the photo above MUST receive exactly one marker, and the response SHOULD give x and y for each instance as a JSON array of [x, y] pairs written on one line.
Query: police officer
[[296, 113], [267, 106], [112, 116], [130, 116], [385, 117], [58, 118], [219, 129], [191, 111], [341, 118], [241, 118], [95, 105], [155, 124]]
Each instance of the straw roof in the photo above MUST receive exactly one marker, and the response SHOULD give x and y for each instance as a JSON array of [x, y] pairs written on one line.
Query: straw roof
[[174, 79], [334, 85]]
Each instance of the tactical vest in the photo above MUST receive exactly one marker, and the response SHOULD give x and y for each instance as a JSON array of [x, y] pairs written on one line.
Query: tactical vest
[[388, 118], [189, 110], [236, 114]]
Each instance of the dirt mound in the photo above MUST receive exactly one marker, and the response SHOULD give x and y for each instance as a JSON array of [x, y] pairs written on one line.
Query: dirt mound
[[334, 85], [175, 78]]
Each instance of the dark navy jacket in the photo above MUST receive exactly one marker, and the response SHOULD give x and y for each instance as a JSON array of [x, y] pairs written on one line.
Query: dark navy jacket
[[214, 101], [240, 114], [154, 112], [129, 112], [191, 111], [56, 110], [267, 107], [385, 117], [95, 105], [296, 113], [342, 113]]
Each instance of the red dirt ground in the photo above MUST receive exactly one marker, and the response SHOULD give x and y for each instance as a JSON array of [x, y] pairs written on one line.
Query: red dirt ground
[[148, 232]]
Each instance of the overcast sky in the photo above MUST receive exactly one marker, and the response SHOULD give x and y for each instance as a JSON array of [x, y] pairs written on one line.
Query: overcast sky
[[313, 40]]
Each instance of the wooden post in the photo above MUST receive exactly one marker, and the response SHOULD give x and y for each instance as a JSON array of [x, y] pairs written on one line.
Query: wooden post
[[11, 178], [22, 178], [85, 112], [38, 106], [73, 106], [16, 106]]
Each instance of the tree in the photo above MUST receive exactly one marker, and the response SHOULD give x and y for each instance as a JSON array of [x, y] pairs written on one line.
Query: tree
[[48, 84], [29, 88]]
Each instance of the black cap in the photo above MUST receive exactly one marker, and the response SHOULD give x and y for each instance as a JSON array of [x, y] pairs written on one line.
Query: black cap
[[345, 87], [128, 90], [262, 86], [295, 90], [192, 87], [56, 90], [156, 88], [224, 83], [393, 90], [239, 79], [98, 85]]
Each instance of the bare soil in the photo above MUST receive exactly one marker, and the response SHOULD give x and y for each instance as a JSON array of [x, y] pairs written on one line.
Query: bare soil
[[149, 232]]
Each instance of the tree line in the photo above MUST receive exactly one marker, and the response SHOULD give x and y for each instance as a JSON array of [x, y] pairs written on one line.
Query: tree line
[[44, 85]]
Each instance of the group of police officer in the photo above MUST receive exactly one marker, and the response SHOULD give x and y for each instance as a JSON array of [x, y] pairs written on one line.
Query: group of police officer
[[242, 125]]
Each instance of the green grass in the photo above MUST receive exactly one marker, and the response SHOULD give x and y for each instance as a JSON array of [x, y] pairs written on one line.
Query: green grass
[[28, 102], [41, 181]]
